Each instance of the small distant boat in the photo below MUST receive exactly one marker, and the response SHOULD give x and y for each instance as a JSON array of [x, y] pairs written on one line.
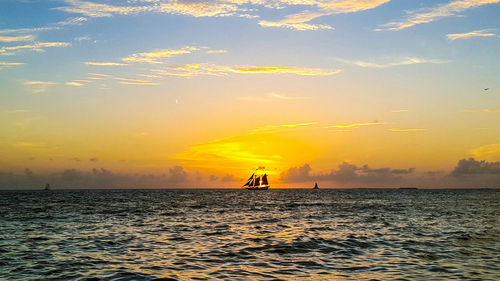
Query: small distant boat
[[256, 182], [408, 188], [316, 186], [47, 186]]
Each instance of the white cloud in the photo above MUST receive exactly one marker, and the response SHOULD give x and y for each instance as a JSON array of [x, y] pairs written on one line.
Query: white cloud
[[468, 35], [158, 56], [300, 21], [189, 70], [427, 15], [296, 26], [38, 87], [74, 83], [52, 26], [191, 8], [9, 64], [16, 38], [311, 9], [400, 62], [82, 38], [216, 51], [38, 46], [39, 83]]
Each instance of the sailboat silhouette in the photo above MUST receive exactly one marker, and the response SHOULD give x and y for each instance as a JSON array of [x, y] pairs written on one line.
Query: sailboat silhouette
[[256, 182]]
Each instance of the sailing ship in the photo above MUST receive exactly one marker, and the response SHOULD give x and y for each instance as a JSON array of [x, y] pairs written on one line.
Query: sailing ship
[[256, 182], [47, 186], [316, 186]]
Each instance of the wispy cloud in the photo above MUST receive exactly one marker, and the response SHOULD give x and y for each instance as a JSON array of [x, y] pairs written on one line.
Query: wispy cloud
[[74, 84], [273, 128], [407, 130], [39, 47], [18, 111], [39, 83], [16, 38], [349, 6], [295, 26], [38, 87], [216, 51], [468, 35], [104, 63], [119, 80], [52, 26], [400, 62], [285, 97], [299, 124], [27, 144], [301, 21], [191, 8], [354, 125], [9, 64], [158, 56], [311, 9], [285, 70], [136, 82], [189, 70], [427, 15], [492, 110], [399, 110], [487, 151], [82, 38], [272, 96]]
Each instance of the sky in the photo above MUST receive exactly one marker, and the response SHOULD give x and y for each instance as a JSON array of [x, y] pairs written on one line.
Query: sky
[[163, 93]]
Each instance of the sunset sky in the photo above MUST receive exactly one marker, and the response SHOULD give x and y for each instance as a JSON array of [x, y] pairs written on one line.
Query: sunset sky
[[166, 93]]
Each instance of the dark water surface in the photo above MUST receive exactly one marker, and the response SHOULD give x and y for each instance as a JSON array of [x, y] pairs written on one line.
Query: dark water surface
[[250, 235]]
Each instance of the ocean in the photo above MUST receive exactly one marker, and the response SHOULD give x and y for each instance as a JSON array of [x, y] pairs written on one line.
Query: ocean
[[350, 234]]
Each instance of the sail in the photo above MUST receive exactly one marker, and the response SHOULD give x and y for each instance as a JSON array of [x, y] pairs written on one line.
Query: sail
[[256, 181], [249, 181], [264, 180]]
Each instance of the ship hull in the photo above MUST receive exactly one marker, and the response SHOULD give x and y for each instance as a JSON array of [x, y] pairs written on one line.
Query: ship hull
[[258, 188]]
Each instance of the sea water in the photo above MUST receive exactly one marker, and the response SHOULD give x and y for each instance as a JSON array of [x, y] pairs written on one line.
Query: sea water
[[357, 234]]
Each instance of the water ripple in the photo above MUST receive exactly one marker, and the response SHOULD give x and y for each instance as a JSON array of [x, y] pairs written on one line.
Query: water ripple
[[243, 235]]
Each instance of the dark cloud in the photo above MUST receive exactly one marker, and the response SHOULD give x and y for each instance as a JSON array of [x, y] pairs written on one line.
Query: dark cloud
[[28, 173], [228, 178], [297, 174], [433, 173], [95, 178], [177, 174], [346, 173], [476, 173], [473, 167], [94, 159], [468, 173], [71, 175]]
